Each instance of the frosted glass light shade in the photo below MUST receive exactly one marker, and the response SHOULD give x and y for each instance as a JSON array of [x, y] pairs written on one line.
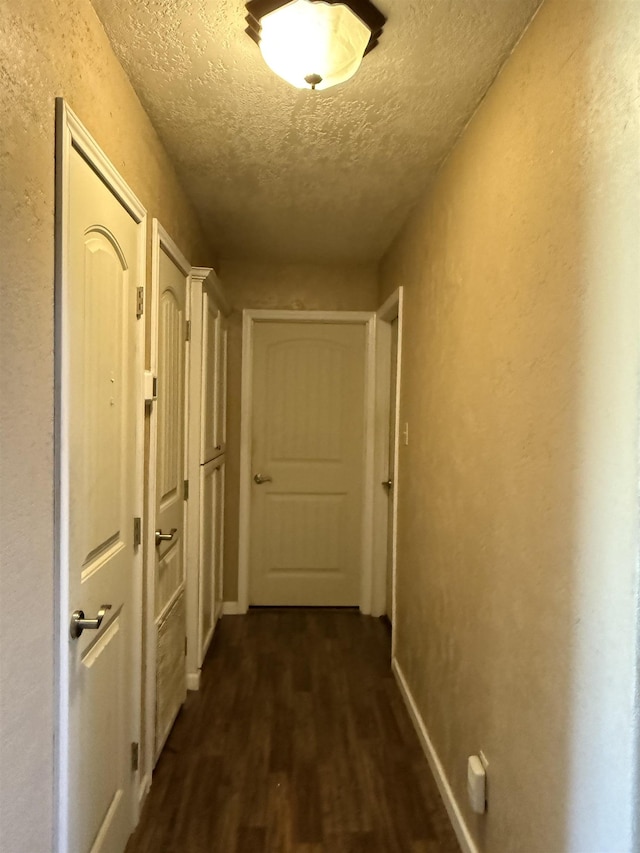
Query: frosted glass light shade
[[305, 40]]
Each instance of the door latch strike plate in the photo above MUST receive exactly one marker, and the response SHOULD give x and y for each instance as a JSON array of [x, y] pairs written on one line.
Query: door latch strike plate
[[135, 756], [139, 302], [186, 490]]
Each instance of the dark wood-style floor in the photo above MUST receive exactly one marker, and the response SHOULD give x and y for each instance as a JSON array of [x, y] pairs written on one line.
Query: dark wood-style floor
[[297, 741]]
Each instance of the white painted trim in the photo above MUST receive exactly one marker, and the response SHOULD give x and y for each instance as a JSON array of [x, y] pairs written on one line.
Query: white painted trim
[[391, 309], [143, 790], [456, 817], [160, 242], [381, 497], [71, 134], [193, 680], [208, 638], [396, 468], [249, 318], [232, 608], [170, 248], [266, 315], [197, 278], [367, 572], [246, 417], [80, 138], [213, 285]]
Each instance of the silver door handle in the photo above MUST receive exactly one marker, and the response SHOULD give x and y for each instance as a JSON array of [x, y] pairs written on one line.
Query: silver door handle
[[260, 479], [165, 537], [388, 484], [80, 624]]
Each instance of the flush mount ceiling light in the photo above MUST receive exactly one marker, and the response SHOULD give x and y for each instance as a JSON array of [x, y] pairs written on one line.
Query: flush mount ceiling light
[[314, 43]]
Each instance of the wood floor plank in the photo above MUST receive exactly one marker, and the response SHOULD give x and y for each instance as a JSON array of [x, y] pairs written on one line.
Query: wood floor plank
[[297, 742]]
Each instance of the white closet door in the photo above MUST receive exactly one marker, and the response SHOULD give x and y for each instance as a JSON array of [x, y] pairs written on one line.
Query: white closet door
[[170, 510]]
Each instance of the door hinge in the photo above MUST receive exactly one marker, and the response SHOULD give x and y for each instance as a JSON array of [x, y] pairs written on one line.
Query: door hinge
[[187, 334], [186, 490], [135, 756], [140, 302], [137, 531]]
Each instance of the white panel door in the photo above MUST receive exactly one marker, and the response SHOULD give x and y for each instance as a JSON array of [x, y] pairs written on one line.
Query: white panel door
[[307, 464], [170, 510], [100, 378]]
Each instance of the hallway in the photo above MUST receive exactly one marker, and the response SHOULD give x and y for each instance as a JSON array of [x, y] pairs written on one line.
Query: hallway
[[298, 741]]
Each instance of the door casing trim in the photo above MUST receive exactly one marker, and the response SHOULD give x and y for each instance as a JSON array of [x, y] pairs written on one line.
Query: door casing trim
[[249, 318], [389, 311], [71, 134]]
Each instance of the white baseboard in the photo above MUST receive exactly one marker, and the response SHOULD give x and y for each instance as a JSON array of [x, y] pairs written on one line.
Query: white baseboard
[[143, 790], [193, 680], [232, 608], [453, 809]]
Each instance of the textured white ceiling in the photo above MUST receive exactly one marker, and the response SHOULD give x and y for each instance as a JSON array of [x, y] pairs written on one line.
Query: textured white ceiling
[[309, 176]]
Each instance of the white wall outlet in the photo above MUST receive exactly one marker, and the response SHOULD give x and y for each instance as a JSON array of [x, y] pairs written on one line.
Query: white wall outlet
[[476, 784]]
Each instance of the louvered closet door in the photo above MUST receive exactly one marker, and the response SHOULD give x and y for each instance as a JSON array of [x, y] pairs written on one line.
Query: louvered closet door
[[308, 427]]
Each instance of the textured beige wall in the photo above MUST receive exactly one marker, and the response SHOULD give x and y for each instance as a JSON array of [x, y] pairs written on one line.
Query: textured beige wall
[[518, 526], [250, 284], [48, 49]]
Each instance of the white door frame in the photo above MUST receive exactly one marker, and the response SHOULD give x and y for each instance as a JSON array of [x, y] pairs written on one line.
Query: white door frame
[[198, 277], [160, 242], [249, 318], [389, 311], [71, 134]]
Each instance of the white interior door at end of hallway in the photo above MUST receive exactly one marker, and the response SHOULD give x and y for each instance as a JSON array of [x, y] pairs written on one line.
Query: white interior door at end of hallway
[[307, 463], [169, 488], [99, 481]]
